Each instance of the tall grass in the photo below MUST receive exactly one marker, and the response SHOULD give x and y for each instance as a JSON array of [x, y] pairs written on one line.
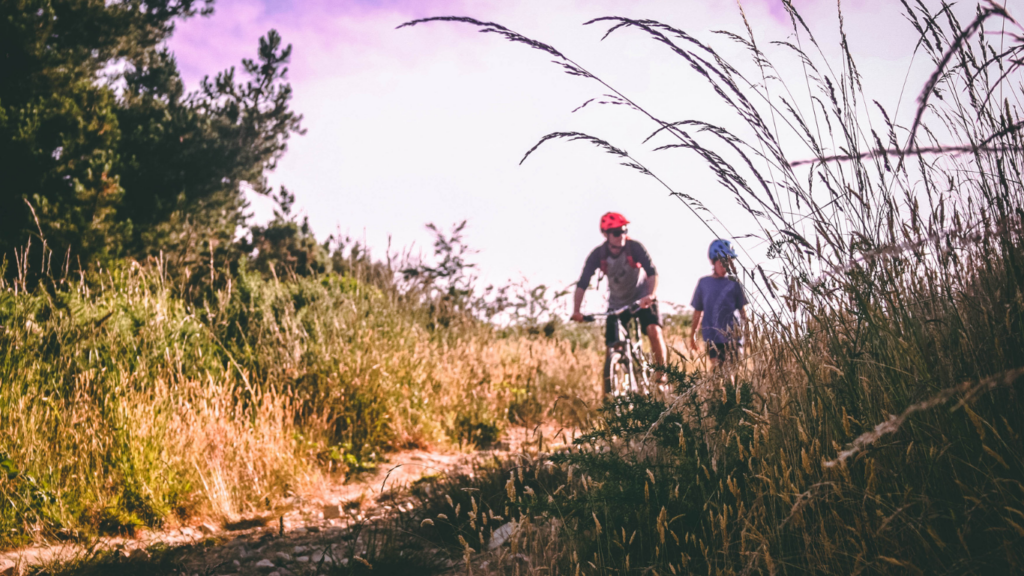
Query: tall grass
[[875, 425], [129, 398]]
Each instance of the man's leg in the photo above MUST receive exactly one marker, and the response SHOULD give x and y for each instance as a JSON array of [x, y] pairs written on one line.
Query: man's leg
[[650, 321], [658, 349]]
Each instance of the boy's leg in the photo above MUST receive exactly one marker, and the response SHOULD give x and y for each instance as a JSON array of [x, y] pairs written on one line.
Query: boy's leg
[[716, 353], [732, 351]]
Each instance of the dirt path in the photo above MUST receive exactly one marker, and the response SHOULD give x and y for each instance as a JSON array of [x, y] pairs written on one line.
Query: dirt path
[[301, 536]]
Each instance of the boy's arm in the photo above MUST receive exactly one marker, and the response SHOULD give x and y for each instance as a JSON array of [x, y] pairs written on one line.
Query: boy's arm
[[743, 311], [698, 312], [694, 326]]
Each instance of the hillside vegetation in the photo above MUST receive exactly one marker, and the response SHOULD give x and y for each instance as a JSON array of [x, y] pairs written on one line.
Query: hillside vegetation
[[126, 404], [162, 357], [873, 426]]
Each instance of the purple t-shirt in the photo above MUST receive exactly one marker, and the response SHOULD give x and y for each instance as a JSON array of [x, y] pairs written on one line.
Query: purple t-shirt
[[719, 299]]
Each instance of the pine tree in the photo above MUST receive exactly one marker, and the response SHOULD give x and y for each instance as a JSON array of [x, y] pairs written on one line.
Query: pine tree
[[100, 164]]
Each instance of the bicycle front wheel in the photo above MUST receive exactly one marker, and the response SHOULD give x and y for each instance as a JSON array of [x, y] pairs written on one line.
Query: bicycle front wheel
[[644, 370], [616, 373]]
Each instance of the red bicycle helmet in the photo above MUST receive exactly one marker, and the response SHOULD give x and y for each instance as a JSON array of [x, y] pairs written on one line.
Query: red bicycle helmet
[[613, 220]]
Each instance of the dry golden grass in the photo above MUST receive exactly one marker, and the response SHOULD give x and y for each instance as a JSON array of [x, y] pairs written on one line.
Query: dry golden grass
[[135, 408]]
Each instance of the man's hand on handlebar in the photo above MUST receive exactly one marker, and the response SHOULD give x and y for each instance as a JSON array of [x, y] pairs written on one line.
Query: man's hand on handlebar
[[644, 302]]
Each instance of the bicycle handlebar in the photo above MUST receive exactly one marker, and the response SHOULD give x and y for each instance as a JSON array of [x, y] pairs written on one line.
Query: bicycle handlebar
[[631, 308]]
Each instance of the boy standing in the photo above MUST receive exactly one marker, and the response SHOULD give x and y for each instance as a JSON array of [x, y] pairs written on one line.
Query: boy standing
[[715, 303]]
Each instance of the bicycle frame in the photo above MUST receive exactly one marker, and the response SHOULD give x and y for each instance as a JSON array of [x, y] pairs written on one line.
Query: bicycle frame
[[630, 349], [637, 368]]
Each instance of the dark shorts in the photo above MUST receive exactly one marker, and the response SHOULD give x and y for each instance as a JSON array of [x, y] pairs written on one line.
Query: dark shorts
[[615, 324], [723, 350]]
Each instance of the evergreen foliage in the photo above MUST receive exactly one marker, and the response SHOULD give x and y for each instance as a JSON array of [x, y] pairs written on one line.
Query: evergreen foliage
[[286, 245], [105, 154]]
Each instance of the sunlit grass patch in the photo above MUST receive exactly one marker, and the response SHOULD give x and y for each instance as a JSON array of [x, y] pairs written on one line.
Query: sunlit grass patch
[[138, 406]]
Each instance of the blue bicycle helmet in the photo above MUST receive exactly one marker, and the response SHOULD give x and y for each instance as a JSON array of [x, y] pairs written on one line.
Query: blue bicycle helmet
[[721, 249]]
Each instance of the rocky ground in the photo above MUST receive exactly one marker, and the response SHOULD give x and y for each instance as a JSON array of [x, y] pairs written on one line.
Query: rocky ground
[[331, 533]]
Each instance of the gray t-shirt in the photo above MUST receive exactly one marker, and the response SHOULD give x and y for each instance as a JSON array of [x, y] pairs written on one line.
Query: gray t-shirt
[[627, 273], [719, 299]]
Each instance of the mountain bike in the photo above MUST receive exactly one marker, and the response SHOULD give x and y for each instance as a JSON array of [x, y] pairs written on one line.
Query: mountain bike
[[627, 368]]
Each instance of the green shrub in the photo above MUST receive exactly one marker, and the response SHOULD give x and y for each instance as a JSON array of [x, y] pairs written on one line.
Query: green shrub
[[140, 404]]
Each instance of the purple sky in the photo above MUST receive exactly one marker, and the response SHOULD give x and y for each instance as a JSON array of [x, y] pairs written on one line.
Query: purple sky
[[428, 124]]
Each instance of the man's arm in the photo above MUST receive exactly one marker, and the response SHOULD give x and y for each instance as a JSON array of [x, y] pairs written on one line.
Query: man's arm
[[642, 257], [651, 287], [577, 301], [591, 266]]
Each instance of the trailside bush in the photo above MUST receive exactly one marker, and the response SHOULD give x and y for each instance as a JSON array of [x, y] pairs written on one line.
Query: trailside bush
[[137, 403]]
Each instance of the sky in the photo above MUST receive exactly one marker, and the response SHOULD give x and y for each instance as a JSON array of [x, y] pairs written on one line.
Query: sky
[[428, 124]]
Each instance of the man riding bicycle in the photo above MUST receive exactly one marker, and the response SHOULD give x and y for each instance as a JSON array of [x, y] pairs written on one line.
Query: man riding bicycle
[[631, 278]]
